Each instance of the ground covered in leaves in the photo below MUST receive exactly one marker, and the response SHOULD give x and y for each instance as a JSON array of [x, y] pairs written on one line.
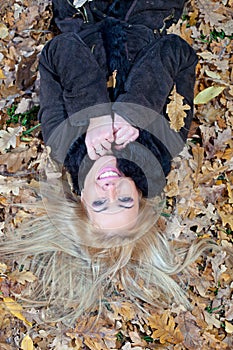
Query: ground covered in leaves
[[199, 191]]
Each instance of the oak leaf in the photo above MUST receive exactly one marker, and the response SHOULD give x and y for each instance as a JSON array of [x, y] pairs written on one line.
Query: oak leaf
[[22, 276], [8, 138], [165, 329], [176, 110], [18, 157]]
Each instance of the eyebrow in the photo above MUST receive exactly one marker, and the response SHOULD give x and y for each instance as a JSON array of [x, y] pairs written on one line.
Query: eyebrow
[[105, 208]]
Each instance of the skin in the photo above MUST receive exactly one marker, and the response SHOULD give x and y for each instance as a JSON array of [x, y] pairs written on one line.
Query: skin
[[103, 131], [112, 203]]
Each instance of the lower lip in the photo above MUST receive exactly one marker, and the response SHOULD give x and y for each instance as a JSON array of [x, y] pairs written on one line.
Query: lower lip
[[104, 170]]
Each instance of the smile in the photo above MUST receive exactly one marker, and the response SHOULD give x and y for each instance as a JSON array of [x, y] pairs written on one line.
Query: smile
[[108, 173]]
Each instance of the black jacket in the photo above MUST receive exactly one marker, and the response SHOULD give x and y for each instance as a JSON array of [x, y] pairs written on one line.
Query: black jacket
[[75, 66]]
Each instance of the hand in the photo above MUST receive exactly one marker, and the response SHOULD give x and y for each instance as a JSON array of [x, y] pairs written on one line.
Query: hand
[[124, 132], [99, 136]]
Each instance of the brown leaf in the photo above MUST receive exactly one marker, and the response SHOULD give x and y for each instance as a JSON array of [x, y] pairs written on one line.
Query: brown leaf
[[190, 330], [166, 329], [18, 158], [176, 110], [26, 74], [22, 276], [198, 154]]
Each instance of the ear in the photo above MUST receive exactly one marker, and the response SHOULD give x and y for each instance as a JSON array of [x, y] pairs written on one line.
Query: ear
[[82, 196]]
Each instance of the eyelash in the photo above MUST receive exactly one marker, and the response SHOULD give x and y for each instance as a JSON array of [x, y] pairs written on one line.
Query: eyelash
[[125, 199], [121, 199], [98, 203]]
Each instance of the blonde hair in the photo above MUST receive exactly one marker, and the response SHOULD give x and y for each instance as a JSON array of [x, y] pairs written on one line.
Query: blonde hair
[[75, 277]]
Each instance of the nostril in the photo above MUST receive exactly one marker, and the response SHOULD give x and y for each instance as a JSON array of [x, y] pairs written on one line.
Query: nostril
[[108, 185]]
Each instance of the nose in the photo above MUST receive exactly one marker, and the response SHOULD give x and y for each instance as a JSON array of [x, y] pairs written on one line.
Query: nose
[[111, 188]]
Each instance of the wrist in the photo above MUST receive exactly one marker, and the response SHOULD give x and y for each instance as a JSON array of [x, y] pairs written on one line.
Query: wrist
[[101, 120]]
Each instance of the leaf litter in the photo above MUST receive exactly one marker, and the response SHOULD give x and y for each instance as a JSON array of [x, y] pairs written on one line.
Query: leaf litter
[[199, 192]]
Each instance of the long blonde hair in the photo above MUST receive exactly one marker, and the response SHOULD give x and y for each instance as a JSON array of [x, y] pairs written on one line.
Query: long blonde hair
[[75, 277]]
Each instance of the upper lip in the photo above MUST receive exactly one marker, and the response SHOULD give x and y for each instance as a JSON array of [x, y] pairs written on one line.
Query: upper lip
[[116, 172]]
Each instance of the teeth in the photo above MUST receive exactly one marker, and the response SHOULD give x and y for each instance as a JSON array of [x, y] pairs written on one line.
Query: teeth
[[108, 174]]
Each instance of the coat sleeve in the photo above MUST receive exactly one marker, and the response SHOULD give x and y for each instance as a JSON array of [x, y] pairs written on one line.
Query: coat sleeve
[[52, 107], [73, 90], [169, 61]]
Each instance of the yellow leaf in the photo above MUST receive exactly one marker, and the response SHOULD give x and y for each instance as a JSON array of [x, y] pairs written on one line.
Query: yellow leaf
[[2, 75], [15, 309], [27, 343], [228, 327], [3, 268], [3, 31], [212, 74], [206, 95], [176, 110], [226, 218], [165, 329]]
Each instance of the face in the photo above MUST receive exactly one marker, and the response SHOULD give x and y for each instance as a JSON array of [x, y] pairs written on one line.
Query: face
[[111, 199]]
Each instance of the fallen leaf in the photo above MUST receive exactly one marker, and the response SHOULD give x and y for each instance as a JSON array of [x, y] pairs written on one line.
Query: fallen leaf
[[8, 186], [2, 75], [22, 276], [15, 309], [8, 138], [208, 94], [213, 75], [227, 218], [3, 31], [166, 329], [18, 158], [3, 268], [27, 343], [228, 327], [176, 110]]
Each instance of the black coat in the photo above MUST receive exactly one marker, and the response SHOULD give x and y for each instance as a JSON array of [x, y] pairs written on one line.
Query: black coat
[[75, 66]]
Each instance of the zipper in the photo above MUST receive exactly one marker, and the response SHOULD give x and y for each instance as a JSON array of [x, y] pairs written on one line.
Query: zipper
[[80, 11]]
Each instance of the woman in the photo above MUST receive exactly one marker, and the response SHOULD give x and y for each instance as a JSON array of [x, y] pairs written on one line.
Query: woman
[[83, 120], [117, 144]]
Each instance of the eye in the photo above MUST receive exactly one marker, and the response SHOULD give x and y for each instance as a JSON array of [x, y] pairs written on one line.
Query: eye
[[98, 202], [125, 199]]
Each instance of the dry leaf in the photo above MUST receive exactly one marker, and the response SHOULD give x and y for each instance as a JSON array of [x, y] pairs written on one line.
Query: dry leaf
[[190, 330], [3, 268], [2, 75], [27, 343], [15, 309], [165, 328], [228, 327], [208, 94], [213, 75], [22, 276], [8, 186], [8, 138], [226, 218], [18, 158], [198, 154], [176, 110], [3, 31]]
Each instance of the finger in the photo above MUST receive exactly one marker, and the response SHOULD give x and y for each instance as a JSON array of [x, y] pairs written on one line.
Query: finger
[[106, 145], [92, 154], [120, 147], [131, 136], [124, 138]]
